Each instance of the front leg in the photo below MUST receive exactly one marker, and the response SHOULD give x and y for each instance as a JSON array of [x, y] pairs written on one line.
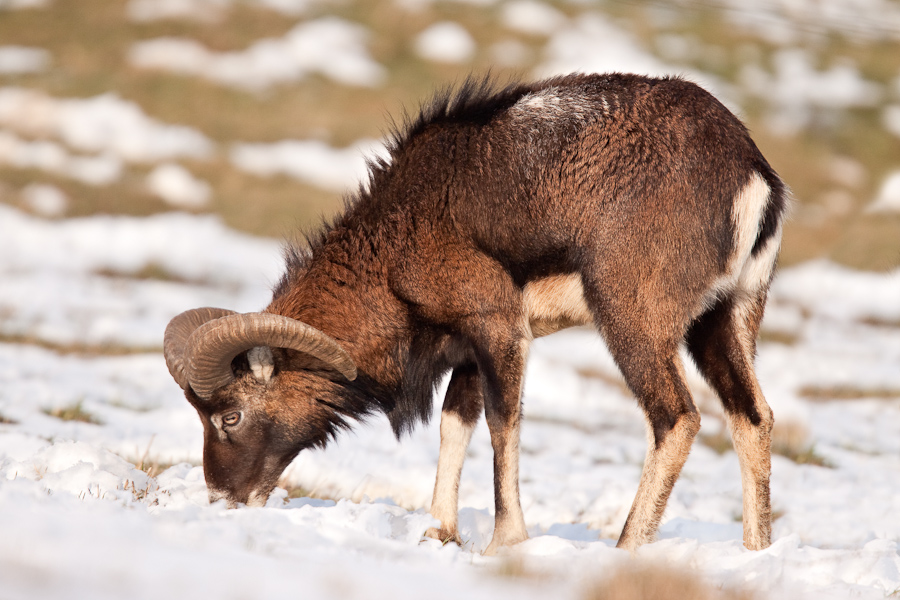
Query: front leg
[[462, 407], [503, 368], [474, 297]]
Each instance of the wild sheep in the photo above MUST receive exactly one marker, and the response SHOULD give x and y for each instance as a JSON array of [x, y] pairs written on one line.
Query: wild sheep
[[637, 205]]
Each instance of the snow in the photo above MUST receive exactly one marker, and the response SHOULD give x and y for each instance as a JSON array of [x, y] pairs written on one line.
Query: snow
[[44, 199], [77, 514], [104, 124], [892, 119], [178, 187], [329, 46], [73, 281], [446, 42], [788, 22], [16, 60], [54, 158], [797, 87], [888, 199], [312, 161], [592, 43], [532, 17], [18, 4]]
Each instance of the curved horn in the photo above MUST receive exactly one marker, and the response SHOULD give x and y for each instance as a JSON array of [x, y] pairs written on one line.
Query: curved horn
[[176, 337], [213, 346]]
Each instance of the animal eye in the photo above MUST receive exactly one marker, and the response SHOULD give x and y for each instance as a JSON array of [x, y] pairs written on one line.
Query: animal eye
[[231, 419]]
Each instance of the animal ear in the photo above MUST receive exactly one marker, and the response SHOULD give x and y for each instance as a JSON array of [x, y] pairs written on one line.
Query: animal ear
[[262, 363]]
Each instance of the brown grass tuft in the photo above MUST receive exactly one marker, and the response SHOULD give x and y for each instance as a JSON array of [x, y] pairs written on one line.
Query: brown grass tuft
[[656, 582], [151, 271], [773, 336], [791, 440], [73, 413], [298, 491], [720, 441], [516, 567], [844, 392], [103, 349]]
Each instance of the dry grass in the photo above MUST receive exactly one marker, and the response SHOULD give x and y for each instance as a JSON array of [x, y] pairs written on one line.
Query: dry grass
[[720, 441], [73, 413], [7, 421], [778, 337], [151, 271], [298, 491], [657, 582], [518, 567], [842, 392], [105, 349], [791, 440], [615, 380]]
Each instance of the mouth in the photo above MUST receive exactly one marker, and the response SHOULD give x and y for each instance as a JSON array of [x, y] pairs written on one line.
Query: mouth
[[216, 495]]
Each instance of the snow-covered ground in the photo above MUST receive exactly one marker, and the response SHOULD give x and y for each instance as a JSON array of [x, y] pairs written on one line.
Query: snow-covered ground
[[76, 514]]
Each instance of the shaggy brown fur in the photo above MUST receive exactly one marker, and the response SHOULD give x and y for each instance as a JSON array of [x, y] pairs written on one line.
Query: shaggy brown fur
[[637, 205]]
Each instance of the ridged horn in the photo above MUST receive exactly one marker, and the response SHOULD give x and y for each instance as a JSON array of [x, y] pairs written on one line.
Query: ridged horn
[[176, 337], [214, 344]]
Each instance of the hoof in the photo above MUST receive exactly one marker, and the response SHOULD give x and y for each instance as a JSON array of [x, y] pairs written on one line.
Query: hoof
[[498, 544], [443, 536]]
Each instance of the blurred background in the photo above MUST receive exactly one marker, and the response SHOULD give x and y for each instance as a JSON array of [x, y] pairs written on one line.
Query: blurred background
[[261, 110]]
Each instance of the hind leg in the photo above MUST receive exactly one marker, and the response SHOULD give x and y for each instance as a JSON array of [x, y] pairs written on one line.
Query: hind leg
[[462, 407], [644, 343], [656, 378], [723, 344]]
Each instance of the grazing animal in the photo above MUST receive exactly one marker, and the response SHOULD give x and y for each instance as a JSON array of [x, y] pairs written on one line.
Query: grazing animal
[[637, 205]]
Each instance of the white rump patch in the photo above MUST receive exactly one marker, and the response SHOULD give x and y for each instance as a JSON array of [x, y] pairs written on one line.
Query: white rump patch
[[758, 269], [747, 212], [262, 363], [744, 272]]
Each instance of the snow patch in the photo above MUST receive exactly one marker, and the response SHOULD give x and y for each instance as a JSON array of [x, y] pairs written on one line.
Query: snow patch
[[797, 87], [531, 16], [591, 44], [17, 60], [892, 119], [888, 199], [103, 124], [19, 4], [44, 199], [311, 161], [789, 22], [329, 46], [44, 155], [70, 282], [445, 42], [178, 187]]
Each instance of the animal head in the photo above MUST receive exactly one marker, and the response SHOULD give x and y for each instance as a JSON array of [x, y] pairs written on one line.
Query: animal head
[[259, 382]]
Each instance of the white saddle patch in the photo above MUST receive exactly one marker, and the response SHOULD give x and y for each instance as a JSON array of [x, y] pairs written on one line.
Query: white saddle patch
[[554, 303]]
